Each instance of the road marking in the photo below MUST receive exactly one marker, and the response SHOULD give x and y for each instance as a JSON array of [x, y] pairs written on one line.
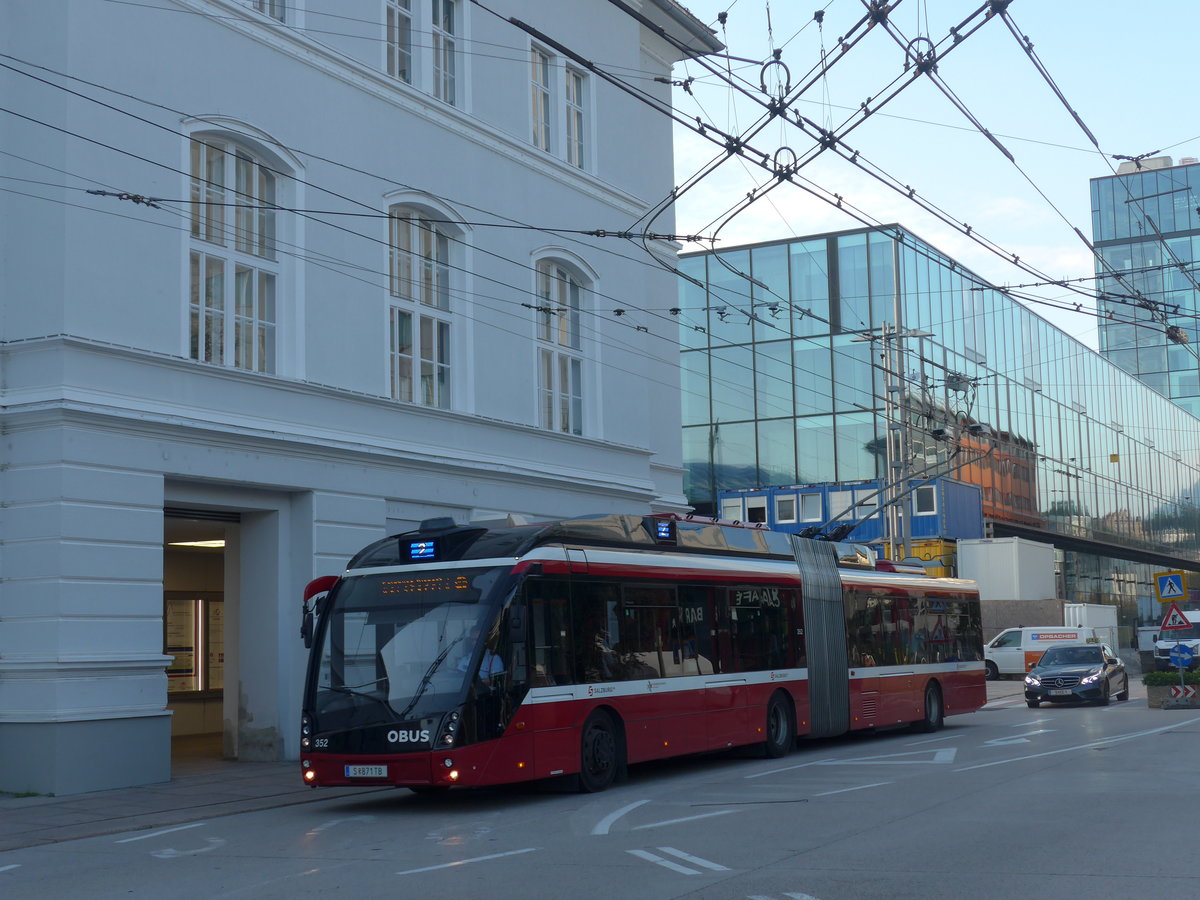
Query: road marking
[[13, 866], [694, 860], [939, 755], [333, 822], [948, 737], [799, 896], [676, 867], [1027, 724], [463, 862], [145, 837], [665, 863], [604, 824], [1113, 740], [723, 812], [787, 768], [172, 853], [1016, 738], [847, 790]]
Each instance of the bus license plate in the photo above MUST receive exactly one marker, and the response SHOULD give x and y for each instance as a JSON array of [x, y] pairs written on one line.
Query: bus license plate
[[1061, 692], [366, 771]]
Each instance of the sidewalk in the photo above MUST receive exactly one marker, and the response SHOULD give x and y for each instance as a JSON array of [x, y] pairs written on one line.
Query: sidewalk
[[199, 788]]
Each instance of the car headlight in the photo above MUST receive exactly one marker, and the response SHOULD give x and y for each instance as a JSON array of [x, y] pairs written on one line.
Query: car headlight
[[1095, 676], [1032, 680]]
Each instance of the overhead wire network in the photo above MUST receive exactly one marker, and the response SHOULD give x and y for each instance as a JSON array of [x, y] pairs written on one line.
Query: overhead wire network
[[528, 226]]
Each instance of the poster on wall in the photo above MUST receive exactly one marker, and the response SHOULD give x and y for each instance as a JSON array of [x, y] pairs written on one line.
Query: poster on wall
[[216, 645], [179, 616]]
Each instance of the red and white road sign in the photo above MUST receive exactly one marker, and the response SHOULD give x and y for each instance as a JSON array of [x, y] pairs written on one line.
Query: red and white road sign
[[1183, 691], [1174, 620]]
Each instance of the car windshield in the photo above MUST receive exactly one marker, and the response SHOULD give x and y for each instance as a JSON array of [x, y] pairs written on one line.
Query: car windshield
[[1072, 656], [398, 645]]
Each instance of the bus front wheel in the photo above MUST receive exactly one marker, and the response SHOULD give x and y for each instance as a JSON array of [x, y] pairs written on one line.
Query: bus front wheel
[[781, 735], [598, 753]]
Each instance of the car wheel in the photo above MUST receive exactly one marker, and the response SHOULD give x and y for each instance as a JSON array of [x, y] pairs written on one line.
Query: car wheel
[[781, 736], [1104, 698], [935, 712], [598, 756], [1124, 695], [1033, 704], [990, 671]]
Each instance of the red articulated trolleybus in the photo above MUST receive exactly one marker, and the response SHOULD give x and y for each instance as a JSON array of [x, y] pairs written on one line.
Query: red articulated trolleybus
[[475, 655]]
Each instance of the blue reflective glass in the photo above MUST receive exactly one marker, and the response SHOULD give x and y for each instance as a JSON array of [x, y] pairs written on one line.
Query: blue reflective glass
[[693, 384], [698, 484], [733, 455], [776, 452], [854, 300], [810, 287], [773, 379], [729, 298], [860, 454], [812, 365], [769, 265], [732, 383], [815, 457], [693, 298]]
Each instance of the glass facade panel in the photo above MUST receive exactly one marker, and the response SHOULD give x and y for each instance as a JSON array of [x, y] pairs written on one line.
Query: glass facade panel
[[1060, 442]]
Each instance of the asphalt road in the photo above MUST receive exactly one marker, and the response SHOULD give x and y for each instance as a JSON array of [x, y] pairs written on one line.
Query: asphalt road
[[1062, 802]]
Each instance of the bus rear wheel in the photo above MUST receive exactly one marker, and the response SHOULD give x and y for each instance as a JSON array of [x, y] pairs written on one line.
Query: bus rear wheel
[[781, 735], [598, 753], [934, 711]]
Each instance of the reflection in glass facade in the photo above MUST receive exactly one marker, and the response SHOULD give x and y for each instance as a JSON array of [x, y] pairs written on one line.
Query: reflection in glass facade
[[1067, 448], [1146, 226]]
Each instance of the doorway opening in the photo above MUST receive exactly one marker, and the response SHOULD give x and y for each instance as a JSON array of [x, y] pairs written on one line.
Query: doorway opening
[[194, 635]]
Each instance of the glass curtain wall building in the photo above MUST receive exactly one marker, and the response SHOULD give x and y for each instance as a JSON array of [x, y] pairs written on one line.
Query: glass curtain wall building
[[1146, 228], [787, 379]]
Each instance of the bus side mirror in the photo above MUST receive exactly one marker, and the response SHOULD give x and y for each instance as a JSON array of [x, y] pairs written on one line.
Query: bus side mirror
[[321, 585]]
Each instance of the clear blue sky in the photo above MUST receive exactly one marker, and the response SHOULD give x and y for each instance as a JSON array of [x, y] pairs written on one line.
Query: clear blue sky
[[1129, 70]]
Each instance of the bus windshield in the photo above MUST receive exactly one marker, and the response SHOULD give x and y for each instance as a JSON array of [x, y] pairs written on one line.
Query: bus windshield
[[399, 645]]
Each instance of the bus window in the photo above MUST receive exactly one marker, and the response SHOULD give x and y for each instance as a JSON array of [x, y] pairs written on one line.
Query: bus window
[[758, 627], [596, 626], [549, 636], [650, 637], [696, 625]]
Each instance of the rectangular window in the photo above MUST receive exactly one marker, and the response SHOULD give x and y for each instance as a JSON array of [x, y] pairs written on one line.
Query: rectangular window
[[731, 509], [576, 133], [925, 501], [399, 39], [756, 509], [208, 192], [810, 508], [785, 509], [444, 13], [400, 354], [418, 261], [539, 85], [274, 8], [560, 392]]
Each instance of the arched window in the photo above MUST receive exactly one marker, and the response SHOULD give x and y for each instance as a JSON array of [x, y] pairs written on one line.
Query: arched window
[[419, 311], [559, 348], [233, 265]]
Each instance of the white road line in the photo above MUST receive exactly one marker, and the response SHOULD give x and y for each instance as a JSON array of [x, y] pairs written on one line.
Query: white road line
[[847, 790], [606, 823], [787, 768], [333, 822], [172, 853], [948, 737], [1112, 740], [1016, 738], [666, 863], [13, 866], [799, 896], [146, 837], [463, 862], [694, 860], [723, 812]]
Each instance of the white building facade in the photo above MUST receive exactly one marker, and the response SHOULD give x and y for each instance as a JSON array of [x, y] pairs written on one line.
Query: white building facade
[[333, 283]]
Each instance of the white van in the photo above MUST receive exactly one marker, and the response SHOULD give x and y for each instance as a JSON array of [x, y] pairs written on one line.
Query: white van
[[1015, 650]]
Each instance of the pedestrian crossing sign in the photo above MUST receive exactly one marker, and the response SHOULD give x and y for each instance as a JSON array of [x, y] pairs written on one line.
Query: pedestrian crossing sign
[[1171, 586]]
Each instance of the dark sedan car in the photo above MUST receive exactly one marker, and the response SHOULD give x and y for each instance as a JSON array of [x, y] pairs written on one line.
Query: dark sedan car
[[1089, 673]]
